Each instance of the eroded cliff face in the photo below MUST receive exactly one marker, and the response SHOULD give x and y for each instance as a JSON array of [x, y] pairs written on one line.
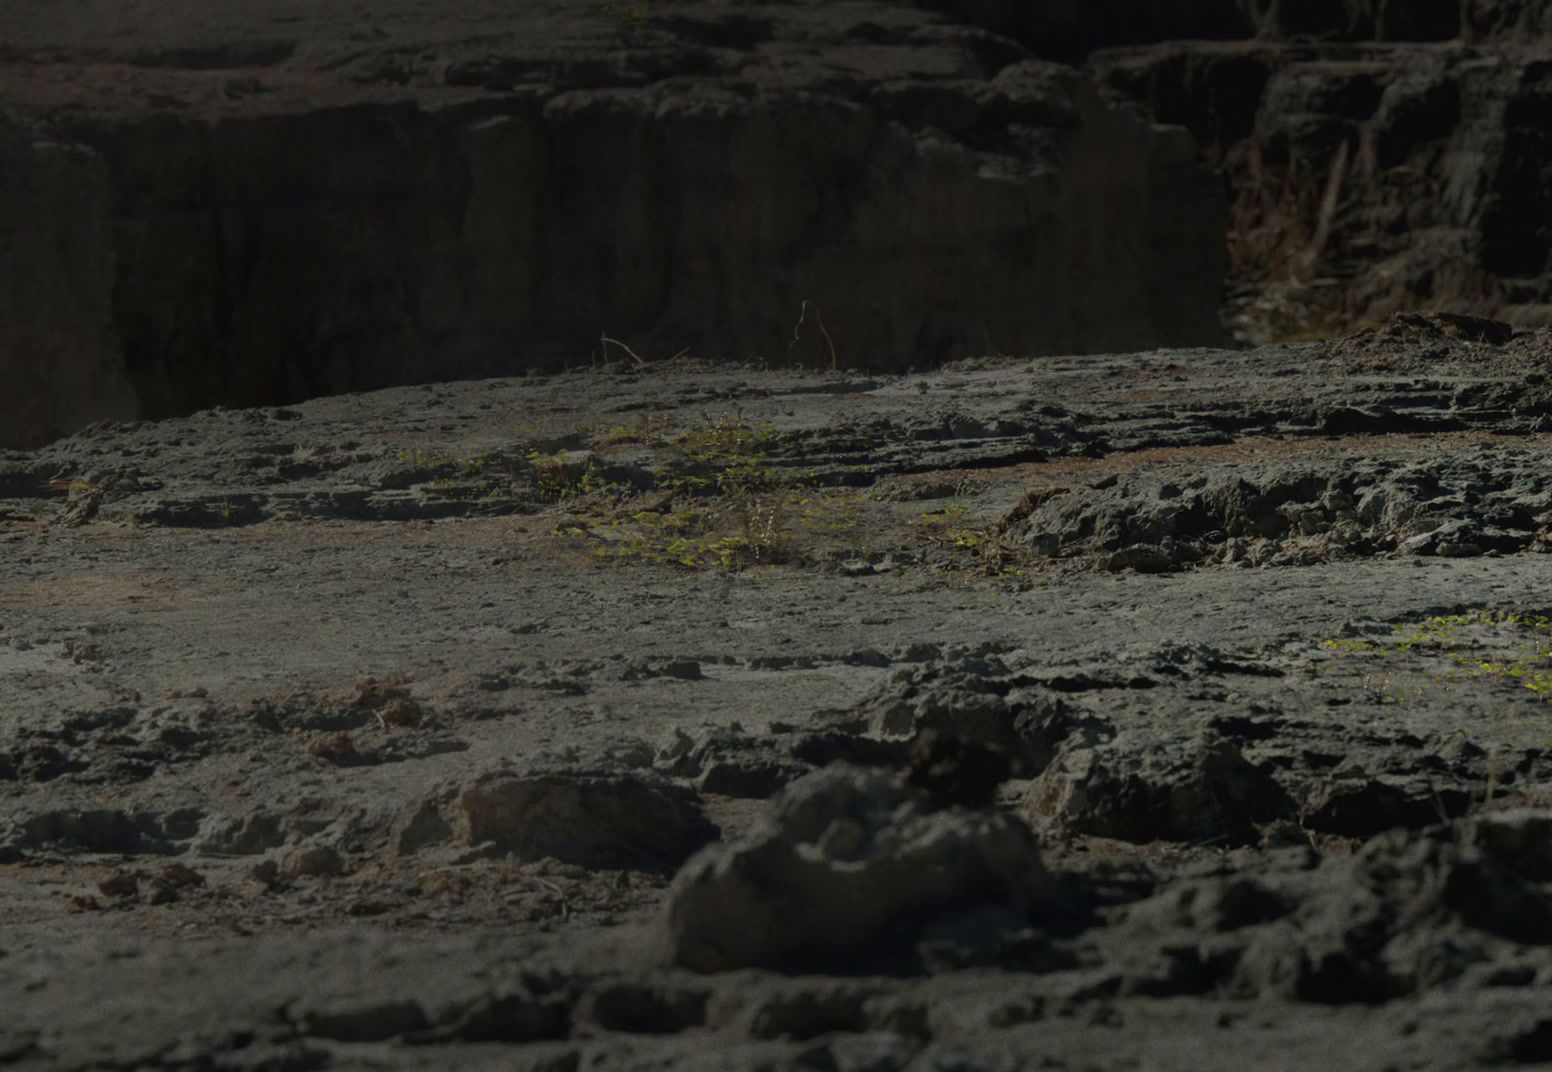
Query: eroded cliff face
[[245, 208], [61, 363], [1379, 158], [1380, 155], [864, 184], [1367, 179]]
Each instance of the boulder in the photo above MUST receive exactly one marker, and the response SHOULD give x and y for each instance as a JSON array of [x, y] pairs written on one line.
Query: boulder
[[596, 820], [850, 854]]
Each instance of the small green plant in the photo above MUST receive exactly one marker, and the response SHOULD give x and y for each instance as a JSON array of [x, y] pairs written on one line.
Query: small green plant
[[726, 455], [477, 463], [987, 550], [1352, 646], [714, 495], [649, 430], [481, 476], [941, 517], [423, 459], [718, 502]]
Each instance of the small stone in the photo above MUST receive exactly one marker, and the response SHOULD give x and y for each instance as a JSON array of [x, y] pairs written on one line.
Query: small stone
[[265, 871], [401, 712], [844, 840], [338, 749], [179, 876], [168, 884], [1140, 557], [958, 771], [122, 885], [683, 669], [313, 861], [1520, 838]]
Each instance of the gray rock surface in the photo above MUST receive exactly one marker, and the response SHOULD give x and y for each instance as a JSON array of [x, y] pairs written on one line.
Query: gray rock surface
[[597, 820]]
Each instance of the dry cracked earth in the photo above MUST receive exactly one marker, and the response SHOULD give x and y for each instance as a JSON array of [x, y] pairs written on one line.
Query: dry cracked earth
[[1176, 710]]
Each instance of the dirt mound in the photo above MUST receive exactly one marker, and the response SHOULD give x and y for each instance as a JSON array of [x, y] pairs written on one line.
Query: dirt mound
[[1403, 914]]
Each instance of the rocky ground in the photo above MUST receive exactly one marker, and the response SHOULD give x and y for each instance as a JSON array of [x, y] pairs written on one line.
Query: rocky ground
[[1183, 709]]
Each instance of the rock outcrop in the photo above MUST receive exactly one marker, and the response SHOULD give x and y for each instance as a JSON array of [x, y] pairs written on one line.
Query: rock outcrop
[[850, 854], [1373, 167]]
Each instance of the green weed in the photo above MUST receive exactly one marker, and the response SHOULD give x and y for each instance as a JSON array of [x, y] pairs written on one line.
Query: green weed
[[1459, 639]]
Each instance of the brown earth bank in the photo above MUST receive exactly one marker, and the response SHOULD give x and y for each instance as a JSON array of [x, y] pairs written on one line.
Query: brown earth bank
[[254, 206], [1175, 710], [257, 204]]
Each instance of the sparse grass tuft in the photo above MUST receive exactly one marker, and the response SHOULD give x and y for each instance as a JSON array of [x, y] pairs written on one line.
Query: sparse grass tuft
[[717, 501], [988, 550], [1495, 645]]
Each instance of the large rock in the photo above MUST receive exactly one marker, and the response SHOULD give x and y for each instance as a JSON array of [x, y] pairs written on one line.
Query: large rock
[[1144, 787], [1406, 913], [850, 853], [593, 819]]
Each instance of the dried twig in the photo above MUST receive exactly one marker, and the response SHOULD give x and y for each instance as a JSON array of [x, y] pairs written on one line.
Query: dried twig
[[1328, 206], [797, 331], [634, 356], [565, 903]]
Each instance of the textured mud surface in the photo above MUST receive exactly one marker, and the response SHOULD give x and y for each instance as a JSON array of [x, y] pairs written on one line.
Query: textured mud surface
[[569, 719]]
